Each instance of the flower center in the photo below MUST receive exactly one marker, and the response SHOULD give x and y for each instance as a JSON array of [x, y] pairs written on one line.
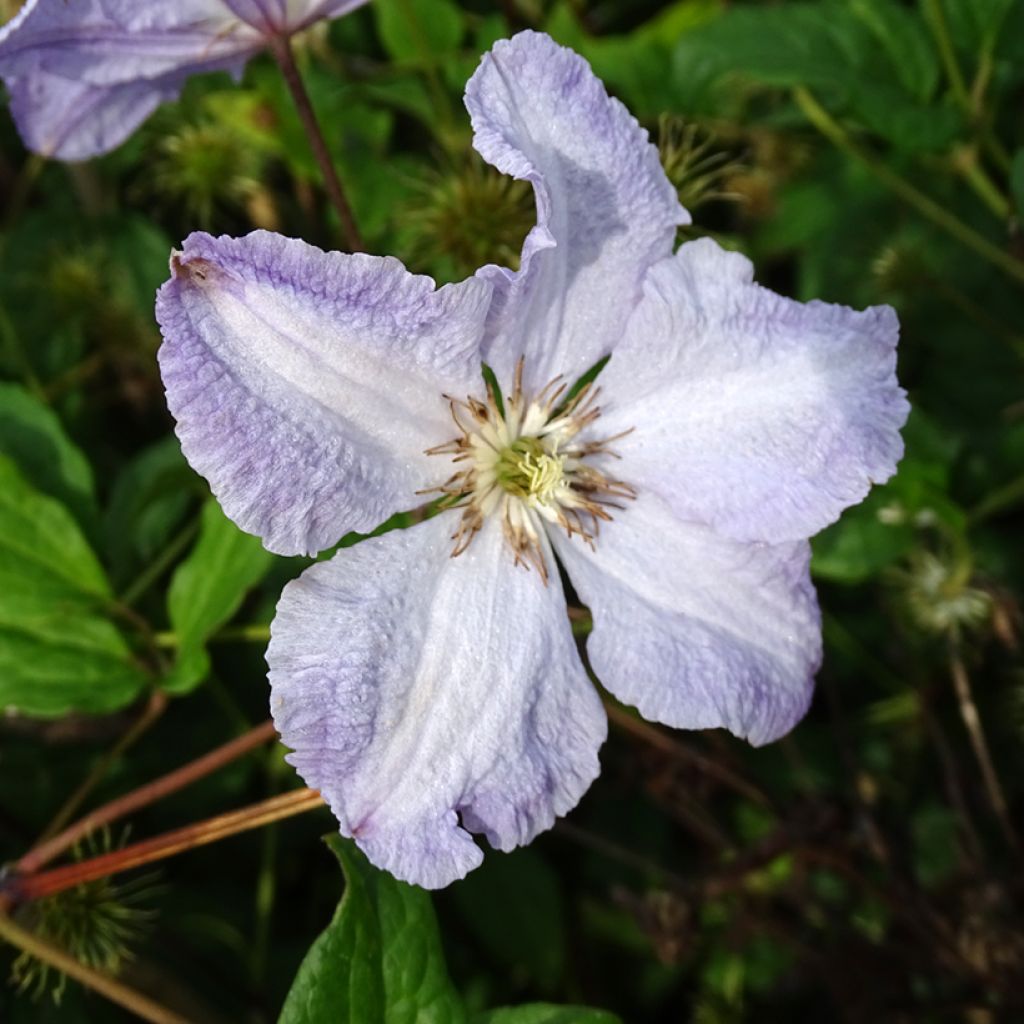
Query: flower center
[[528, 470], [525, 460]]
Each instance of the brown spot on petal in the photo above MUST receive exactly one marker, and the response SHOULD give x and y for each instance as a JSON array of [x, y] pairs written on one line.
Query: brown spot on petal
[[195, 269]]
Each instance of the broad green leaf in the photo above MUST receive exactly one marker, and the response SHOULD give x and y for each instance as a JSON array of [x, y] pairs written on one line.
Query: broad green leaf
[[636, 66], [907, 124], [799, 44], [546, 1013], [379, 960], [864, 541], [975, 23], [59, 651], [1017, 181], [32, 435], [903, 35], [418, 31], [207, 589]]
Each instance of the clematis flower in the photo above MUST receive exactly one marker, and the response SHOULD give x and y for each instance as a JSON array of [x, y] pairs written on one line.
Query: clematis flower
[[427, 680], [84, 74]]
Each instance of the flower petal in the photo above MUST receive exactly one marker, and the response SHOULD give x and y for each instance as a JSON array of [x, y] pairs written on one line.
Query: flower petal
[[109, 41], [416, 689], [71, 120], [289, 15], [761, 416], [306, 385], [84, 75], [697, 630], [605, 209]]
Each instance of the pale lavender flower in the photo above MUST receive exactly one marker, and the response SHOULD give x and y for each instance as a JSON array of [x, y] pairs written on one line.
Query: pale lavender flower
[[84, 74], [429, 696]]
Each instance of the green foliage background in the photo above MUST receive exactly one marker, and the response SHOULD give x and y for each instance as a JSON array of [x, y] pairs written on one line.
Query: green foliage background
[[867, 867]]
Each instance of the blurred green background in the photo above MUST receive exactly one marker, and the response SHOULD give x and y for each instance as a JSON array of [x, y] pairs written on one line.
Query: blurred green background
[[865, 868]]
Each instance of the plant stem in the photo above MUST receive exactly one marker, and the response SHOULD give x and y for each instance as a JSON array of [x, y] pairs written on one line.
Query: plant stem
[[1005, 497], [155, 707], [983, 186], [160, 565], [281, 48], [936, 19], [144, 796], [972, 721], [902, 188], [133, 1001], [32, 887], [255, 633]]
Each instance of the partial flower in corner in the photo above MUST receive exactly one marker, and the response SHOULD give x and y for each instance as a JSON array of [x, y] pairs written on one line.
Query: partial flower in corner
[[84, 74], [427, 680]]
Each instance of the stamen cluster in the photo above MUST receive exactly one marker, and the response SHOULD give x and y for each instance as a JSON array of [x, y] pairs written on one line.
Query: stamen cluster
[[523, 460]]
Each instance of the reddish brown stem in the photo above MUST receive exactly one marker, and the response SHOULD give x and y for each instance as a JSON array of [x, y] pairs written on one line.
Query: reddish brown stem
[[45, 852], [46, 883], [281, 48]]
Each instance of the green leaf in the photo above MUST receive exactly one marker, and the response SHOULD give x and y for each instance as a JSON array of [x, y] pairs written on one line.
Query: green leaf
[[907, 124], [207, 589], [799, 44], [903, 35], [1017, 181], [545, 1013], [976, 23], [379, 960], [418, 31], [33, 436], [59, 651]]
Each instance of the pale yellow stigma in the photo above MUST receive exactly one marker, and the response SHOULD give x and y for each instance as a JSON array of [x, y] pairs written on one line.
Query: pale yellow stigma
[[528, 470], [523, 461]]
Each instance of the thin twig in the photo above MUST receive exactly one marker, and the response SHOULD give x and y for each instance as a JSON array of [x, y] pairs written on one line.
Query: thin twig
[[155, 707], [144, 796], [925, 205], [21, 888], [936, 19], [675, 748], [281, 48], [614, 852], [954, 791], [972, 721], [117, 992], [159, 566]]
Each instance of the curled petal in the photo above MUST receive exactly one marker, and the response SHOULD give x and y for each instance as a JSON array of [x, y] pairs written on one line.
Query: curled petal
[[759, 415], [605, 209], [697, 630], [307, 385], [420, 691]]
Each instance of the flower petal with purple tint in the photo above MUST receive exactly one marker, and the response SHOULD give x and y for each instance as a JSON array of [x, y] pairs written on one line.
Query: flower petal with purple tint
[[761, 416], [83, 75], [307, 385], [605, 209], [696, 630], [286, 16], [74, 120], [428, 697]]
